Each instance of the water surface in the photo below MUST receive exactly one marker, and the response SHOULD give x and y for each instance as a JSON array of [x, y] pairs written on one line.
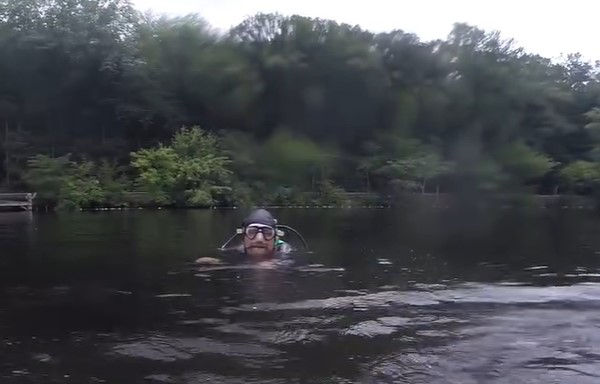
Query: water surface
[[386, 296]]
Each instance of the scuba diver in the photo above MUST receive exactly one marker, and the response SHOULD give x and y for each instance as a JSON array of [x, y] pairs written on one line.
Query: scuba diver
[[261, 239]]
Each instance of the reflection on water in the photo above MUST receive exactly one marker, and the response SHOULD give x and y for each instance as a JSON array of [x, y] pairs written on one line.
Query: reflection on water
[[387, 297]]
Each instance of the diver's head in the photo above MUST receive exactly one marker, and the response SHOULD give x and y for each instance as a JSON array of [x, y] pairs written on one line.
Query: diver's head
[[260, 230]]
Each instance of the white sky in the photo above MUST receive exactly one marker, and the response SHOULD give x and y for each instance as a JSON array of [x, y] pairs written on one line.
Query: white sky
[[549, 28]]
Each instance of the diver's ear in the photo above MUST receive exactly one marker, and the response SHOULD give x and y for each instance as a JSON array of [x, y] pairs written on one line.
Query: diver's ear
[[280, 233], [239, 231]]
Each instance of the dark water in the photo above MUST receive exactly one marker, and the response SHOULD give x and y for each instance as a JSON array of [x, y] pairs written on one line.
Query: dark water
[[424, 296]]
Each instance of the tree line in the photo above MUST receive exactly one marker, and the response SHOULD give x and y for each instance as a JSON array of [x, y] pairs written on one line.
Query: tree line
[[98, 100]]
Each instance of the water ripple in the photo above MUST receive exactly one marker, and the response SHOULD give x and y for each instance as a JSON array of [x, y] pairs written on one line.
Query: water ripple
[[466, 293], [170, 349]]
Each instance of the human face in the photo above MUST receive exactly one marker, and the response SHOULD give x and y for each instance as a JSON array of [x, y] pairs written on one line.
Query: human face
[[259, 248]]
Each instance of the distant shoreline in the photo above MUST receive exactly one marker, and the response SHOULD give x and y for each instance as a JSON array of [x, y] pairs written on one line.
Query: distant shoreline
[[433, 200]]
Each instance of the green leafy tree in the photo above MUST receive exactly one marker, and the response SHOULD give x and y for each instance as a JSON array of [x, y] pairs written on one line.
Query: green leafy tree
[[414, 172], [302, 104], [191, 170], [296, 161], [158, 170], [64, 183], [523, 163], [113, 181], [81, 188], [581, 176], [47, 175]]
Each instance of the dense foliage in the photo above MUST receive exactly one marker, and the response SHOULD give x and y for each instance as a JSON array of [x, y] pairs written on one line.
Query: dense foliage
[[292, 109]]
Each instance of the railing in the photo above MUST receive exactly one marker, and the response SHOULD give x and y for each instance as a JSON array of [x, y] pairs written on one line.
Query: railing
[[17, 200]]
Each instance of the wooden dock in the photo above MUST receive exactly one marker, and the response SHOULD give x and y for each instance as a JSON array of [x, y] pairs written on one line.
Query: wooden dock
[[16, 201]]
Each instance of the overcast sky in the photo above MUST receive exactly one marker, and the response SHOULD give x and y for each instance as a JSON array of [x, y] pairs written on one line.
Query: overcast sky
[[549, 28]]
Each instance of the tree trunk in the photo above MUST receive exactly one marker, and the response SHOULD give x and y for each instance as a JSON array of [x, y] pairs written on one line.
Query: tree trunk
[[6, 154], [50, 134]]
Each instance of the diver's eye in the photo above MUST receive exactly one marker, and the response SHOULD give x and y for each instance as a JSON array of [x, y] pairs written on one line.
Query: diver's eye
[[268, 232], [251, 232]]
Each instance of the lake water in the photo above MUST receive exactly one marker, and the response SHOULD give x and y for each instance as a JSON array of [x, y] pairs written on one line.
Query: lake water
[[384, 296]]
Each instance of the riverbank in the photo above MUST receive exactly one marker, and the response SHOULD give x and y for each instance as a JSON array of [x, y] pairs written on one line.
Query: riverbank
[[445, 200], [141, 200]]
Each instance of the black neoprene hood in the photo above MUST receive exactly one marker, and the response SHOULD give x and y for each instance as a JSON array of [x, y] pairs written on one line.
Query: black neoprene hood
[[260, 216]]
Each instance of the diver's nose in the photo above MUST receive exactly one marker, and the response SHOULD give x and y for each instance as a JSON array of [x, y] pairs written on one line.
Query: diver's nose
[[261, 236]]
